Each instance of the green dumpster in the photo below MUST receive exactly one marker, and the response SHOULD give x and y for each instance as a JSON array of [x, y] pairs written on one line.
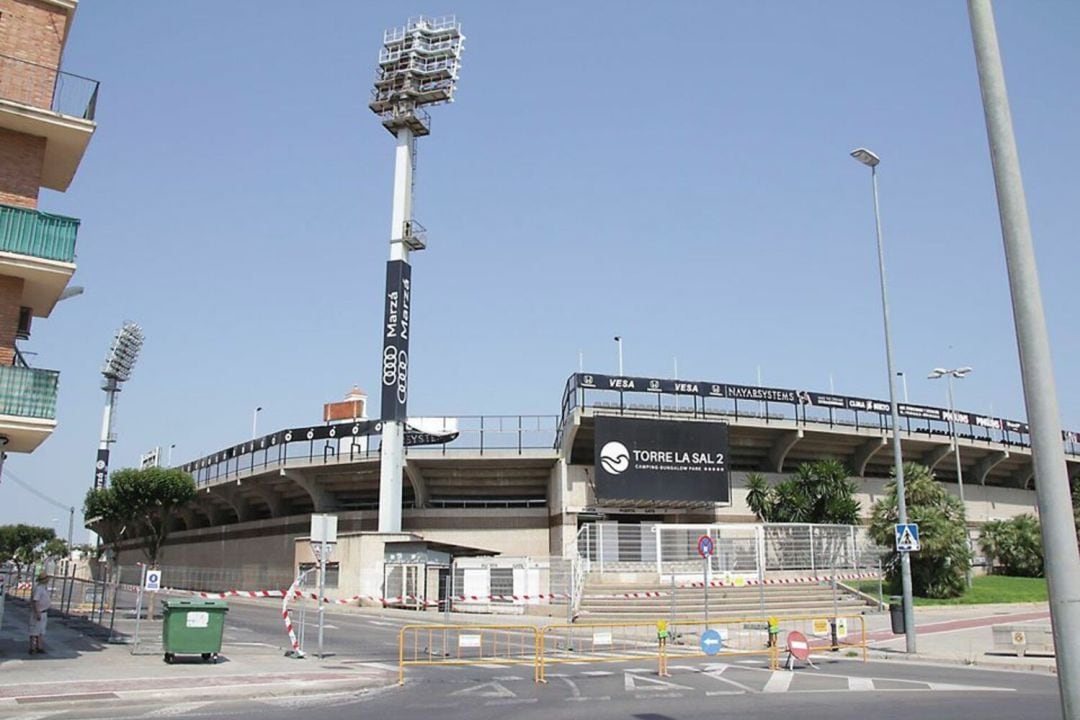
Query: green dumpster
[[193, 627]]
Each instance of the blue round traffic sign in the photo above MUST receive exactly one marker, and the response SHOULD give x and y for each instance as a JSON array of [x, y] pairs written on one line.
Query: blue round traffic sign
[[710, 642], [705, 546]]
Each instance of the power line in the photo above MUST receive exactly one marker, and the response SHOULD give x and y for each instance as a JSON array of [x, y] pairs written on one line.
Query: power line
[[30, 488]]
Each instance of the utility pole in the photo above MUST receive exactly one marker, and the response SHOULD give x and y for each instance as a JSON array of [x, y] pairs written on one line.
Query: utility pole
[[1040, 395]]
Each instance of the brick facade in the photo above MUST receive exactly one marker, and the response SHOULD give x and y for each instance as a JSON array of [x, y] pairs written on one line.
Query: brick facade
[[11, 289], [32, 30], [21, 159]]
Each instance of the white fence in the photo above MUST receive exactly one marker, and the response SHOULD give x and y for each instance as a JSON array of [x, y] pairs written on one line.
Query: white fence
[[758, 550]]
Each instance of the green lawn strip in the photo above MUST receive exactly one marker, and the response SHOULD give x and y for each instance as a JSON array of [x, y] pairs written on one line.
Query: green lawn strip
[[985, 589]]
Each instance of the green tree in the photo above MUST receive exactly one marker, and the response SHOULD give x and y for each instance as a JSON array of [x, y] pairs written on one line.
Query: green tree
[[1015, 545], [23, 544], [819, 492], [939, 569], [139, 505]]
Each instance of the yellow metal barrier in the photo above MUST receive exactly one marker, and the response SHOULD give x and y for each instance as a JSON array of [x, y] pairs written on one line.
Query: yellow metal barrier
[[468, 645], [588, 643], [825, 632]]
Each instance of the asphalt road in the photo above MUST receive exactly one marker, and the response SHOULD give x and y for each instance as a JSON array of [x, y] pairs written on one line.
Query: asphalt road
[[837, 690]]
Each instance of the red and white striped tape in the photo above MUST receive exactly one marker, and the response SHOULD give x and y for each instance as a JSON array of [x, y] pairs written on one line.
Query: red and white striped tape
[[295, 593]]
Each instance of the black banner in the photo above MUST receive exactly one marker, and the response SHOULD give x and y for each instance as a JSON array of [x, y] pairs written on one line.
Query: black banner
[[101, 469], [661, 460], [395, 357]]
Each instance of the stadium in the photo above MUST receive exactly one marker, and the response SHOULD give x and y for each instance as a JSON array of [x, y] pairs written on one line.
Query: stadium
[[533, 493]]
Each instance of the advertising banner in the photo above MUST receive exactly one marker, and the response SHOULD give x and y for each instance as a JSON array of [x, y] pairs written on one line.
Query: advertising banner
[[101, 469], [661, 460], [395, 357]]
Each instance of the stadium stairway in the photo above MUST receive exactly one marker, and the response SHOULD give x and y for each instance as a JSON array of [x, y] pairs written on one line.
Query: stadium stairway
[[604, 601]]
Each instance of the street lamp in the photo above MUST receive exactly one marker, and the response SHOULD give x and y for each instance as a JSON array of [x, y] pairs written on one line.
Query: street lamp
[[871, 160], [959, 373], [255, 422], [903, 379], [618, 341], [171, 448]]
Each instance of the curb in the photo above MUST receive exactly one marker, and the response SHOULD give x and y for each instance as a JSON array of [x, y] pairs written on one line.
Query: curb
[[964, 662], [271, 688]]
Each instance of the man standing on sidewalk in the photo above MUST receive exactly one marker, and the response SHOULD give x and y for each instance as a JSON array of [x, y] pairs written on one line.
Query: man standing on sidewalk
[[39, 612]]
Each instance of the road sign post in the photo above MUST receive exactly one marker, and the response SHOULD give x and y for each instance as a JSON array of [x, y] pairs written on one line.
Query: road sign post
[[705, 547], [907, 537]]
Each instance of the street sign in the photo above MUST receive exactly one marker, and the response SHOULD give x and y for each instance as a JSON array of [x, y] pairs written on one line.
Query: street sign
[[705, 546], [798, 646], [907, 538], [153, 580], [324, 528], [710, 642]]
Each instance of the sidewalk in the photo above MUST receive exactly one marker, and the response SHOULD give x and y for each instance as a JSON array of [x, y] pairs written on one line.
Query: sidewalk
[[77, 668], [961, 634]]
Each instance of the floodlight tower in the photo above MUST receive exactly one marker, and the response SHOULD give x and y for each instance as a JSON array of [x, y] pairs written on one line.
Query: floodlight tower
[[117, 369], [418, 67]]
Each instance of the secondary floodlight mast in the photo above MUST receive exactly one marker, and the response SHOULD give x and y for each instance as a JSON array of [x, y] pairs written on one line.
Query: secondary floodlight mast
[[871, 161], [117, 370], [959, 373], [418, 67]]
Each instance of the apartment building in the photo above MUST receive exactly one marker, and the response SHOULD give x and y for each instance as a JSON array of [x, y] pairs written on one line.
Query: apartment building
[[46, 122]]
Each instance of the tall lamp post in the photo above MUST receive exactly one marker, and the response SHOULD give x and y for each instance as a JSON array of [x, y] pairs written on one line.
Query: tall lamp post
[[618, 342], [871, 161], [959, 373], [1036, 366], [255, 422], [418, 67], [119, 363]]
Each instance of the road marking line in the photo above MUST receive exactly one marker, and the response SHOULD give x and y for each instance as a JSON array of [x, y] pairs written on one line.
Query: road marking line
[[507, 678], [630, 682], [180, 709], [779, 682], [716, 675], [515, 701], [597, 673], [724, 692], [860, 683]]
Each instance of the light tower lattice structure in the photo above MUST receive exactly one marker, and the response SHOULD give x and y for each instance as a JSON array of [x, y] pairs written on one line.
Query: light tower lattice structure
[[119, 363], [418, 67]]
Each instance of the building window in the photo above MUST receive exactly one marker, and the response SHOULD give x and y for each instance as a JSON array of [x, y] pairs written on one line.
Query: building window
[[502, 583], [332, 572]]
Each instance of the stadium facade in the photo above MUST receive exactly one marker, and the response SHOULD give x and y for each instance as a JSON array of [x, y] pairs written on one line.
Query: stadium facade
[[628, 450]]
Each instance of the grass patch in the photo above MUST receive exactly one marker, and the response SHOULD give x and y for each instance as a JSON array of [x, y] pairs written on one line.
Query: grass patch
[[985, 589]]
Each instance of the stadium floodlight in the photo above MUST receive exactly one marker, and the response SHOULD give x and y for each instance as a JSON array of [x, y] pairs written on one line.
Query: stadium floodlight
[[123, 353], [418, 68], [119, 362]]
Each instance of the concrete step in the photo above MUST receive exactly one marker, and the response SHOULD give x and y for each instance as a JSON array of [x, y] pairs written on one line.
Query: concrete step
[[742, 608]]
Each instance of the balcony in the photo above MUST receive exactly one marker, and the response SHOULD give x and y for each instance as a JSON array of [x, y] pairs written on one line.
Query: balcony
[[39, 248], [43, 101], [27, 406]]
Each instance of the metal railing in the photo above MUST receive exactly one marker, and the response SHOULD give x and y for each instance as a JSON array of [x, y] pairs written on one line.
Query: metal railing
[[747, 550], [482, 434], [28, 392], [673, 399], [30, 232], [49, 88]]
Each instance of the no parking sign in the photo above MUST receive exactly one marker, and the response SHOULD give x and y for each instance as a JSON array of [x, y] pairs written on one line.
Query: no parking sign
[[153, 580]]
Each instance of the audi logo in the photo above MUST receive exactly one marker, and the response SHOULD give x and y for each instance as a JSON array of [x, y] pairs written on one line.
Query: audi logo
[[389, 365], [402, 377]]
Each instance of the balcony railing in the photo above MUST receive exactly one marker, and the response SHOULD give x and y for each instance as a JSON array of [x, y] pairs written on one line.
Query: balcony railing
[[28, 392], [47, 87], [30, 232]]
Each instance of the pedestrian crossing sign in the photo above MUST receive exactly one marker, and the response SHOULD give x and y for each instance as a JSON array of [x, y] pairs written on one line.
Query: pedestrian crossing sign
[[907, 538]]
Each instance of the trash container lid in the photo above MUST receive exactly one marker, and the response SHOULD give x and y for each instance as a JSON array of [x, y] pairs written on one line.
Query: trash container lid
[[196, 604]]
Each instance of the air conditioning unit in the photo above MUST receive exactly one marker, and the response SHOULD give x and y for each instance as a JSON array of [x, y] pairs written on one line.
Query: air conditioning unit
[[25, 317]]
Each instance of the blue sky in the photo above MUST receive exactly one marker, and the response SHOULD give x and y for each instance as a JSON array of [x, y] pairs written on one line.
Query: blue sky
[[676, 174]]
